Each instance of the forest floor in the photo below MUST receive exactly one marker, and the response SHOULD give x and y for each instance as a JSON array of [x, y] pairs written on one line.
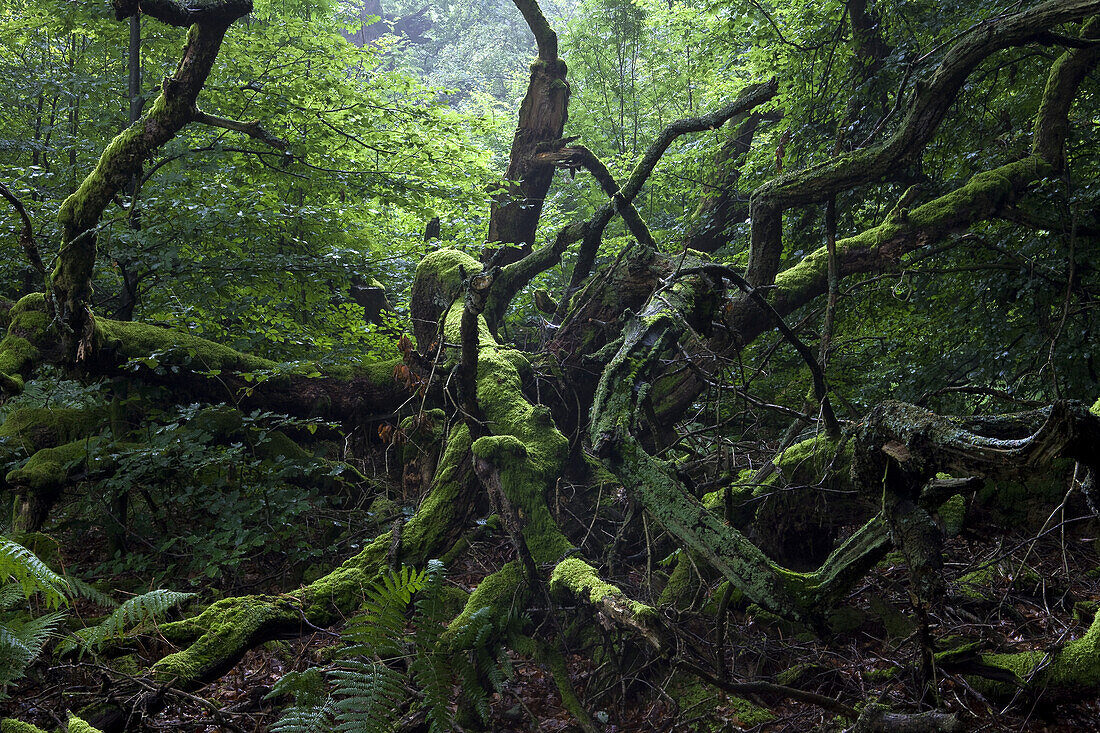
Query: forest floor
[[1023, 591]]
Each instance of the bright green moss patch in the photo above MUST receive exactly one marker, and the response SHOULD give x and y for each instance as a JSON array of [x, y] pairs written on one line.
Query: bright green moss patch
[[979, 583], [1072, 671], [29, 429], [139, 340], [50, 468], [436, 287], [224, 629], [712, 709], [952, 514], [581, 579], [10, 725], [76, 725], [500, 592]]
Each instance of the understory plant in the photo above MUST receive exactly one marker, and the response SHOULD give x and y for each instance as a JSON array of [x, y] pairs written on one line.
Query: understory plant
[[397, 649]]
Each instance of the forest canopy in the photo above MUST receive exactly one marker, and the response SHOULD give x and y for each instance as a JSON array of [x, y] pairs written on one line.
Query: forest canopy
[[589, 365]]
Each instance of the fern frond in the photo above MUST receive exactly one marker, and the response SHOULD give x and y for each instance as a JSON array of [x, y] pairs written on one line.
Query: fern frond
[[11, 595], [90, 592], [316, 718], [433, 673], [379, 629], [138, 612], [22, 566], [21, 642], [369, 697]]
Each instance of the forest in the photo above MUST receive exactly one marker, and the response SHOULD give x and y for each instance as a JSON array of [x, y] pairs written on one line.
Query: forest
[[557, 365]]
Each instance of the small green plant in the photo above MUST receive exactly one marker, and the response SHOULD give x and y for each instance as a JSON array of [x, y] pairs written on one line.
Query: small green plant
[[394, 653], [137, 613], [22, 634]]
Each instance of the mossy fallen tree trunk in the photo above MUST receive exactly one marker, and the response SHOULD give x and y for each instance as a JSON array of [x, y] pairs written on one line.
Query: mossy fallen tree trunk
[[194, 368]]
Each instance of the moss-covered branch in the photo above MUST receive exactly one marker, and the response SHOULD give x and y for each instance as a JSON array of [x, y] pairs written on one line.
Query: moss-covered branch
[[216, 639], [121, 161], [987, 195], [934, 96], [194, 368]]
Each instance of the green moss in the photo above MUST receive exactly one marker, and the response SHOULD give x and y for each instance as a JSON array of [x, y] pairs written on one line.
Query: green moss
[[1095, 409], [500, 592], [680, 588], [50, 468], [1072, 671], [978, 584], [581, 579], [436, 287], [11, 725], [424, 536], [344, 588], [76, 725], [526, 449], [797, 673], [219, 633], [137, 340], [953, 513], [712, 708], [29, 429], [20, 351], [879, 676]]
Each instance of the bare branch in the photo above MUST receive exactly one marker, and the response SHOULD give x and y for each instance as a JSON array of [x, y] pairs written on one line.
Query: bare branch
[[26, 239], [252, 129]]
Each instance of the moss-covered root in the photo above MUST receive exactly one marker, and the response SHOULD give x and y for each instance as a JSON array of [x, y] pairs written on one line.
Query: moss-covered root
[[578, 580], [1068, 673], [76, 725], [11, 725], [553, 658], [217, 638], [30, 429]]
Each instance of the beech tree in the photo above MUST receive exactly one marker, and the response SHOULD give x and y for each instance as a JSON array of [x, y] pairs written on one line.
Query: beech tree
[[641, 340]]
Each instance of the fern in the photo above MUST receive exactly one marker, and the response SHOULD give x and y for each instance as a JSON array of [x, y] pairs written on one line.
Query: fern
[[311, 718], [22, 575], [369, 696], [20, 565], [431, 667], [138, 612], [21, 642], [93, 594], [379, 629], [368, 688]]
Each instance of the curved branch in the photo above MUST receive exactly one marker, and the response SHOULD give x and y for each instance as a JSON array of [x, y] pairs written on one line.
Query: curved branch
[[26, 238], [750, 97], [252, 129], [934, 96], [545, 36], [987, 195], [70, 285]]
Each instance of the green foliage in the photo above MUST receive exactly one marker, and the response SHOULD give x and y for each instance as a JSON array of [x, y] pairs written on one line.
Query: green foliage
[[21, 641], [23, 635], [139, 612], [394, 644], [22, 567]]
